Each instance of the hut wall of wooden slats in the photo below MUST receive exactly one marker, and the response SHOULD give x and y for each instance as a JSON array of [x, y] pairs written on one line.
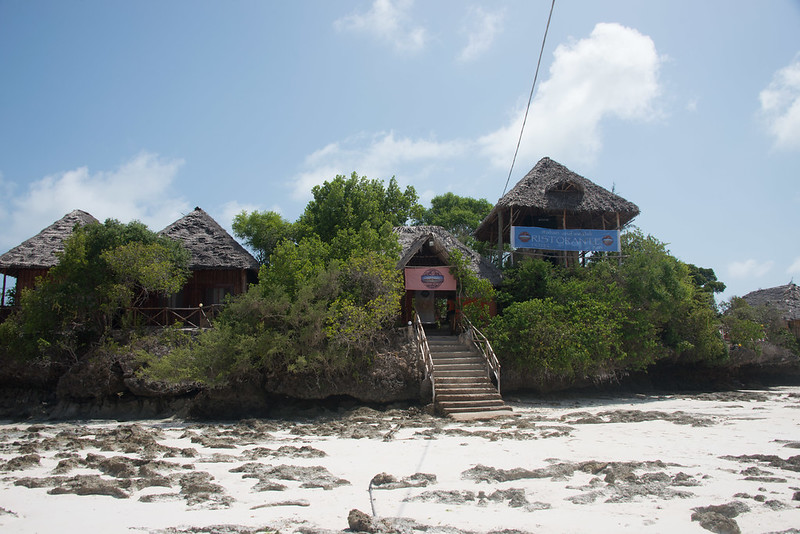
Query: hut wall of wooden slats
[[210, 286]]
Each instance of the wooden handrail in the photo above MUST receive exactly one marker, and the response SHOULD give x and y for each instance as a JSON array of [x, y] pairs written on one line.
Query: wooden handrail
[[425, 352], [199, 317], [483, 345]]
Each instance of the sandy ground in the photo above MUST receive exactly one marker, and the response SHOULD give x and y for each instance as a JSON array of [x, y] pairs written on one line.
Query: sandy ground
[[721, 462]]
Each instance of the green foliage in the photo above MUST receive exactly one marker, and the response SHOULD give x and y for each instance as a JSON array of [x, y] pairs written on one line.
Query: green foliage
[[348, 203], [475, 295], [458, 215], [324, 299], [262, 231], [705, 280], [575, 339], [606, 316], [747, 325], [103, 268]]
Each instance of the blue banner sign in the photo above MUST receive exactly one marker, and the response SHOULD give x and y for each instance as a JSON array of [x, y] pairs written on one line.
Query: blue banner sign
[[576, 240]]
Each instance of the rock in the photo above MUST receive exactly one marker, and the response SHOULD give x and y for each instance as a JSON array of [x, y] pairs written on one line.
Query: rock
[[716, 522], [731, 509], [360, 522]]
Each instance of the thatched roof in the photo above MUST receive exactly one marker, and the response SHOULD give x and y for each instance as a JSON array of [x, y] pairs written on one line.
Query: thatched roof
[[785, 299], [210, 246], [552, 189], [413, 238], [39, 252]]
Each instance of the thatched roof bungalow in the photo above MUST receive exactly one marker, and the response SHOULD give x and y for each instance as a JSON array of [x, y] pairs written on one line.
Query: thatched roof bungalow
[[552, 196], [424, 259], [220, 265], [34, 257], [785, 299]]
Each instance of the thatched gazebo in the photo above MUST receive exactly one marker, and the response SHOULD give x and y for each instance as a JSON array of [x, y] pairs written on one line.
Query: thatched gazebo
[[220, 265], [784, 299], [424, 259], [551, 196], [34, 257]]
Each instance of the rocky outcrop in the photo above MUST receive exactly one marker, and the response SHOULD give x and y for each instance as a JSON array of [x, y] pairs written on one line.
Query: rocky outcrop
[[105, 384]]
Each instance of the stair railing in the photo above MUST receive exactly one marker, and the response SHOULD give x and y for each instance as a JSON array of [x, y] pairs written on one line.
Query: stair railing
[[425, 352], [485, 348]]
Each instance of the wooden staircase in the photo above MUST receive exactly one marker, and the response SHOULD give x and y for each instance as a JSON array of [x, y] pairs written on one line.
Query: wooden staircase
[[461, 381]]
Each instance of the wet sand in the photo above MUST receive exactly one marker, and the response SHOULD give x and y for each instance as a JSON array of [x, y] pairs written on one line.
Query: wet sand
[[721, 462]]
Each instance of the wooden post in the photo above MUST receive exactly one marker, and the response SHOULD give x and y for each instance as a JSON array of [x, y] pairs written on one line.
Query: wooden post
[[3, 296], [564, 227], [500, 238], [620, 244]]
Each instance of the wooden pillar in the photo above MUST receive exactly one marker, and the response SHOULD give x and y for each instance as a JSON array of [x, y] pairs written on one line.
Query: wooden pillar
[[3, 296], [500, 238], [620, 244], [564, 227]]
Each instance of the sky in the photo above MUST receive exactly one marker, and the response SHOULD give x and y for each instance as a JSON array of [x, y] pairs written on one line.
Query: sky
[[143, 110]]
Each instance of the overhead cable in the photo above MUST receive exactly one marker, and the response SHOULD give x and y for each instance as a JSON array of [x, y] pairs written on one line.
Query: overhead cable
[[530, 97]]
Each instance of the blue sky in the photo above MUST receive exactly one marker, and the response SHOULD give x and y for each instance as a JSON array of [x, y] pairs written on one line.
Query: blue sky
[[144, 110]]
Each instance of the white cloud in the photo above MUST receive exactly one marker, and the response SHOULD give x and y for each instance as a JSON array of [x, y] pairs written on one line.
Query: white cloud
[[139, 189], [387, 20], [377, 156], [780, 106], [611, 73], [481, 27], [794, 269], [749, 268]]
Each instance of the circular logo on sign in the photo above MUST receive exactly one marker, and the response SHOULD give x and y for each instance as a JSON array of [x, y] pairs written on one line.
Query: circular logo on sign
[[432, 278], [608, 240], [524, 237]]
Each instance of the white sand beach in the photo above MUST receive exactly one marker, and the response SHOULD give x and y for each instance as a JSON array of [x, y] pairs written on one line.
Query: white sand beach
[[640, 463]]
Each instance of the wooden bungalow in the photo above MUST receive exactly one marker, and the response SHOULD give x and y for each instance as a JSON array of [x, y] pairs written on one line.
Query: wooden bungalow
[[430, 288], [553, 197], [785, 299], [220, 265], [33, 258]]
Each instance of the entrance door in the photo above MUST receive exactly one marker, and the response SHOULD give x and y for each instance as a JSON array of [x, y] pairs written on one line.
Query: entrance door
[[424, 304]]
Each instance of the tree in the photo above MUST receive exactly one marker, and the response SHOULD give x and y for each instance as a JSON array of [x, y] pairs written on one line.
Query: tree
[[348, 203], [705, 280], [103, 269], [458, 215], [262, 231], [324, 300]]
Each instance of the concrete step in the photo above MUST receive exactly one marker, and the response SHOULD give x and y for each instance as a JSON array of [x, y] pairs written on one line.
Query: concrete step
[[462, 382], [474, 407], [447, 399], [459, 373], [455, 366]]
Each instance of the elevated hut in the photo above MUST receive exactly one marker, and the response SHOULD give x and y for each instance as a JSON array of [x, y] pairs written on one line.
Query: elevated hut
[[785, 299], [34, 257], [424, 259], [220, 266], [552, 197]]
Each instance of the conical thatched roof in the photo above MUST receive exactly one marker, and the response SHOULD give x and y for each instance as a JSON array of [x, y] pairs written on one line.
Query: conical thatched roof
[[785, 299], [210, 246], [413, 238], [39, 252], [552, 189]]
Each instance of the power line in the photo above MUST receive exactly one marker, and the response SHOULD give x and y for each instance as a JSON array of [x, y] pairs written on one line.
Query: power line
[[530, 97]]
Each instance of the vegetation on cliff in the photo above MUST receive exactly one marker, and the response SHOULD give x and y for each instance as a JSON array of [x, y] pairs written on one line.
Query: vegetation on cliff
[[104, 270], [329, 293], [607, 316]]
